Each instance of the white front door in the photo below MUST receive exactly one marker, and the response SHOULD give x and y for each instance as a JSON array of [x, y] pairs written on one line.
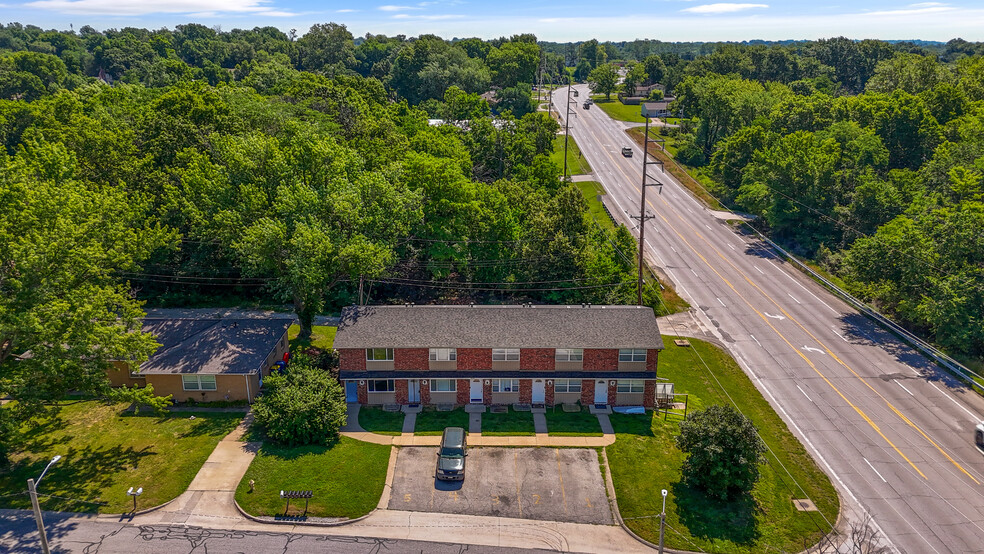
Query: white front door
[[413, 392], [538, 392], [476, 391], [601, 392]]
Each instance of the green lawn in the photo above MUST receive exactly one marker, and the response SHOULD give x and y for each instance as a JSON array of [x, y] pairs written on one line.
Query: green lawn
[[591, 190], [576, 164], [572, 424], [617, 110], [644, 460], [105, 452], [347, 479], [433, 422], [510, 423], [696, 181], [377, 420], [322, 337]]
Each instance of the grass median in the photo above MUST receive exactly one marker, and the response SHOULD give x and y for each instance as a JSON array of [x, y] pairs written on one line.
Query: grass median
[[379, 421], [347, 479], [576, 163], [644, 459], [432, 422], [572, 424], [617, 110]]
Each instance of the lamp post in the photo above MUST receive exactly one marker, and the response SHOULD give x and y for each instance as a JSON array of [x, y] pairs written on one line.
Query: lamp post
[[134, 494], [662, 522], [32, 489]]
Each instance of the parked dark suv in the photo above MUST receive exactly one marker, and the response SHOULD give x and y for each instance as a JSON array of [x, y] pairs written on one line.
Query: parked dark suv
[[451, 456]]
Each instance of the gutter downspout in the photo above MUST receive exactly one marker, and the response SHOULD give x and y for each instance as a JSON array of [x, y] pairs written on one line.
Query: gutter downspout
[[249, 397]]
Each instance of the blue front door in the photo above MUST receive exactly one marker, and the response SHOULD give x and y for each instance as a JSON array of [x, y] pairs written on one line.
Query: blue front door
[[351, 391]]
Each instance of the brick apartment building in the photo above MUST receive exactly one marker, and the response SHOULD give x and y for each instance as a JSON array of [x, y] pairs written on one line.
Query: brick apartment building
[[491, 355]]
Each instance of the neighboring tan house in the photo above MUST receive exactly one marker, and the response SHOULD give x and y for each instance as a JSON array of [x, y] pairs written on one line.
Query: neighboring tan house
[[526, 354], [208, 359], [656, 109]]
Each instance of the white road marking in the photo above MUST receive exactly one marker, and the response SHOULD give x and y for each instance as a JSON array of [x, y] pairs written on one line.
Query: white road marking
[[811, 349], [759, 270], [873, 469], [804, 393], [959, 405], [756, 340], [706, 225], [673, 249], [843, 338], [905, 389], [731, 246], [694, 272], [779, 317], [794, 298], [806, 289], [721, 301], [689, 210]]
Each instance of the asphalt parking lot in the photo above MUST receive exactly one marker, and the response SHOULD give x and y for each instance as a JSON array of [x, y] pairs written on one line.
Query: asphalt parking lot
[[532, 483]]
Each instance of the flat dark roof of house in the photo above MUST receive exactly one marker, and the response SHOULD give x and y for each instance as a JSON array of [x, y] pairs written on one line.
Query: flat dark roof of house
[[511, 326], [212, 345]]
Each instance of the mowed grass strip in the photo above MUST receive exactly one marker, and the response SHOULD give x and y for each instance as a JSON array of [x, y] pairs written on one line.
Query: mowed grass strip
[[379, 421], [644, 459], [347, 479], [510, 423], [617, 110], [433, 422], [322, 337], [591, 190], [572, 424], [576, 163], [105, 452]]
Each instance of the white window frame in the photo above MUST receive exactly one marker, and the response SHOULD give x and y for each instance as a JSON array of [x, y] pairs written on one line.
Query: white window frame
[[631, 385], [371, 384], [452, 385], [372, 352], [443, 354], [569, 355], [512, 385], [566, 385], [198, 384], [632, 355], [505, 354]]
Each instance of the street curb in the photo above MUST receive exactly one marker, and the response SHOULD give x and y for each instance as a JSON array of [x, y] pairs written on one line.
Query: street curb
[[131, 515], [305, 523]]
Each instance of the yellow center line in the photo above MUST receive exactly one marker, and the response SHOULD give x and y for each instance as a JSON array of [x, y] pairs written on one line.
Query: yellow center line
[[560, 473], [519, 497]]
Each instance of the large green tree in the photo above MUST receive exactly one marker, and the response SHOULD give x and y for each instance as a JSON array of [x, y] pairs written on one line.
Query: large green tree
[[603, 80], [723, 450]]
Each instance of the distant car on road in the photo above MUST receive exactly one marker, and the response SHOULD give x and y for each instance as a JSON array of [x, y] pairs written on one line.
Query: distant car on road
[[979, 435], [451, 456], [587, 105], [627, 152]]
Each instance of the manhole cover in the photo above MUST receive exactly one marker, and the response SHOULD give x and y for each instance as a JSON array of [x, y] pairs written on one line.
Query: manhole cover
[[681, 342], [804, 505]]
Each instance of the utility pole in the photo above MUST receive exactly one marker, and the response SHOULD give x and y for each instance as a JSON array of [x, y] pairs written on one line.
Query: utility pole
[[662, 522], [567, 126], [643, 216]]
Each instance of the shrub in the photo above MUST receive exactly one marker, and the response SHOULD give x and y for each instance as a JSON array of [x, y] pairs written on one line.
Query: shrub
[[724, 451], [304, 406]]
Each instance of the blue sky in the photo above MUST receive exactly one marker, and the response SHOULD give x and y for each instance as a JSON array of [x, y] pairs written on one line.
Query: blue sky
[[557, 20]]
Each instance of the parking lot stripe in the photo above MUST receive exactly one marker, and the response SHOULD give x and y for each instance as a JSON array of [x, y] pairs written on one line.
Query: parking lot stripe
[[560, 474], [519, 498]]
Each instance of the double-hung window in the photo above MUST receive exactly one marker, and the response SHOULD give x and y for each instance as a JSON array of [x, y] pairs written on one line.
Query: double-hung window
[[569, 354], [505, 385], [567, 385], [505, 354], [632, 355], [379, 354], [443, 385], [443, 354], [198, 382], [631, 385], [381, 385]]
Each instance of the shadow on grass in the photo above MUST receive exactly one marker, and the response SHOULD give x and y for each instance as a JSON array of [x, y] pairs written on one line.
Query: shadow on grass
[[293, 452], [712, 519]]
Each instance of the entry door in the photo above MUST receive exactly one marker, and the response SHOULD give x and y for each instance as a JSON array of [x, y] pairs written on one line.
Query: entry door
[[476, 391], [538, 392], [413, 392], [351, 391], [601, 392]]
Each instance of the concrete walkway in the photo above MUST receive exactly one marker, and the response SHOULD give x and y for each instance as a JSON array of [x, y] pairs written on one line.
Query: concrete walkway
[[606, 424], [475, 423], [539, 423]]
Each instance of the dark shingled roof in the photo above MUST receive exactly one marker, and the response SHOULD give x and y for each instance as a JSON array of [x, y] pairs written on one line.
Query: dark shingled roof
[[498, 327], [212, 346]]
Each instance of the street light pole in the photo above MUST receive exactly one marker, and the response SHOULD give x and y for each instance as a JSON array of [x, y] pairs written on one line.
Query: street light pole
[[32, 489], [662, 522]]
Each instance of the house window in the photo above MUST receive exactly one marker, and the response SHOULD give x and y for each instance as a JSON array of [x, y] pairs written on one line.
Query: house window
[[379, 354], [567, 385], [505, 354], [381, 385], [198, 382], [444, 385], [631, 385], [135, 375], [632, 355], [505, 385], [443, 355], [569, 354]]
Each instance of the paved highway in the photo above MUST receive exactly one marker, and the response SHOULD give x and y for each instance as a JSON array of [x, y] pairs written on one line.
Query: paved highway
[[894, 433]]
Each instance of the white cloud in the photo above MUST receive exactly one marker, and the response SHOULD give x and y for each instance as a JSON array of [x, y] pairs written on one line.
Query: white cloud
[[915, 9], [723, 8], [202, 8], [926, 4], [346, 10], [390, 8], [442, 17]]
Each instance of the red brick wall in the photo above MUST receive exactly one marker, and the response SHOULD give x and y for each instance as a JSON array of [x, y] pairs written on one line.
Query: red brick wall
[[400, 388], [612, 391], [411, 358], [652, 358], [487, 392], [352, 359], [600, 359], [363, 392], [537, 359], [649, 393], [587, 389], [425, 391], [463, 388], [548, 394], [525, 391], [474, 358]]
